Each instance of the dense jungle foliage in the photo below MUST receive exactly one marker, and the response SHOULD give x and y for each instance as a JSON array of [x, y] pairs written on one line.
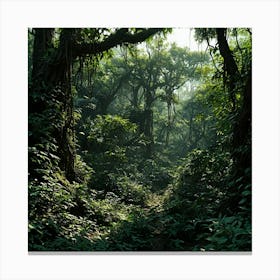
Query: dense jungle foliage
[[138, 144]]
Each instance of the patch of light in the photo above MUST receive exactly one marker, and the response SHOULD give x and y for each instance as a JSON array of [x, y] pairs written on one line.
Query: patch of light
[[184, 37]]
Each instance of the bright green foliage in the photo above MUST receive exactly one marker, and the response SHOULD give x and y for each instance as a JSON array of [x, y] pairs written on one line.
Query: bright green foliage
[[109, 143]]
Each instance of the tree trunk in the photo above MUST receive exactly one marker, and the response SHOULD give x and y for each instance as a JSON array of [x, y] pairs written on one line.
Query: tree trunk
[[242, 127], [50, 85], [148, 123], [230, 64], [42, 44], [66, 139]]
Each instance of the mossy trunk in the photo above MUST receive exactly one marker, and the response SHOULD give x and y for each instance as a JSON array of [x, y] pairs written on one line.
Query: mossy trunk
[[50, 95]]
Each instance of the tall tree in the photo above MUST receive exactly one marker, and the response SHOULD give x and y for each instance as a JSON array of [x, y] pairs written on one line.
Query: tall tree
[[51, 80], [156, 72], [242, 127]]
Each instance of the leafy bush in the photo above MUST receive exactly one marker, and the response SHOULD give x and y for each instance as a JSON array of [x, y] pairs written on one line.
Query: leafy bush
[[226, 234], [109, 140], [131, 192]]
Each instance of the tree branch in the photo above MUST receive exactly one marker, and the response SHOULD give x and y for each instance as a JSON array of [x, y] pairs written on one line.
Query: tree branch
[[121, 36]]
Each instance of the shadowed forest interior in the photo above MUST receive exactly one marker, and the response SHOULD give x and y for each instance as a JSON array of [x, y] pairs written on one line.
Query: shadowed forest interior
[[137, 143]]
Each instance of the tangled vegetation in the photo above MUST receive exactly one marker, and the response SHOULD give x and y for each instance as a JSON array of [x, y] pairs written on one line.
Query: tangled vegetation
[[137, 144]]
